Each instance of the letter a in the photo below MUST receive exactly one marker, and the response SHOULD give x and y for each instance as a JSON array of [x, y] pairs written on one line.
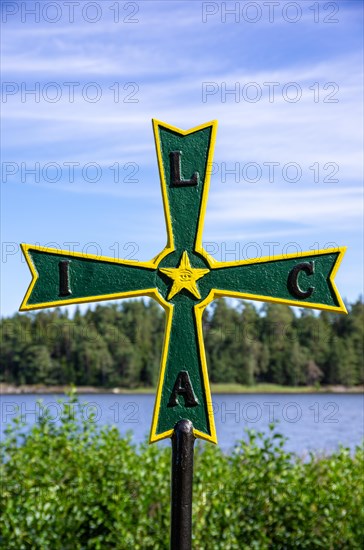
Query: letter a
[[183, 387]]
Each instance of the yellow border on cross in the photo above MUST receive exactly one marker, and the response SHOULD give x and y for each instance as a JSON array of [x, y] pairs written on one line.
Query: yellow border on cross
[[168, 307]]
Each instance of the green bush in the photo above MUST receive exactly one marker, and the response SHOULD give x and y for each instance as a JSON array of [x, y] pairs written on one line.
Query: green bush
[[76, 485]]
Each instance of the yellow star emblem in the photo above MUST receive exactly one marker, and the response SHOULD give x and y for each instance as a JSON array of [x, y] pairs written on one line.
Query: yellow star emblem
[[184, 276]]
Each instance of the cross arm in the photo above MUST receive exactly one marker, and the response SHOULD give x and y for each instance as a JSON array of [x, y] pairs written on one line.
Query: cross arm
[[185, 160], [305, 280], [183, 388], [62, 278]]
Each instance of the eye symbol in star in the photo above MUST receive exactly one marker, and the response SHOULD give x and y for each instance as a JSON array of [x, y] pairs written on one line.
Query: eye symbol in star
[[184, 277]]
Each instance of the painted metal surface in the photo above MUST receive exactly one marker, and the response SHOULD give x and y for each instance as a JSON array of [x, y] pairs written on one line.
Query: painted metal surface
[[184, 279]]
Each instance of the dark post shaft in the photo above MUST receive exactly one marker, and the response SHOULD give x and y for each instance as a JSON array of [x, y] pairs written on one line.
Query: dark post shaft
[[181, 495]]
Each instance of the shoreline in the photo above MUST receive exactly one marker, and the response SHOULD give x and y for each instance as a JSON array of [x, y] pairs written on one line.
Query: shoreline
[[9, 389]]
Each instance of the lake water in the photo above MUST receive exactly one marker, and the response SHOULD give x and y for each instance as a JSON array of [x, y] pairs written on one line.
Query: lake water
[[311, 422]]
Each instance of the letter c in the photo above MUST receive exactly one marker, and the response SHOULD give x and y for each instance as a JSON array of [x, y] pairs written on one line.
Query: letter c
[[292, 283]]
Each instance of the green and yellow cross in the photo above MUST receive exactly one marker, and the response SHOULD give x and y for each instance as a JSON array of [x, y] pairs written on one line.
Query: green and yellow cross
[[183, 279]]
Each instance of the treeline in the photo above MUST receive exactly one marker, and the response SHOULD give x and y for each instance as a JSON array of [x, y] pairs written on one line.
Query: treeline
[[120, 345]]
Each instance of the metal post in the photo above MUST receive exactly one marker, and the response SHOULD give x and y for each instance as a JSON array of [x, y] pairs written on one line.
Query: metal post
[[183, 441]]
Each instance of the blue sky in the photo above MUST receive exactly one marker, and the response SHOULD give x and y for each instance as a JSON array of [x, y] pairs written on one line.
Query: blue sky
[[297, 76]]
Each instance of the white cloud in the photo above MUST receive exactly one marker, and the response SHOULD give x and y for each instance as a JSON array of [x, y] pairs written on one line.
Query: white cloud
[[279, 205]]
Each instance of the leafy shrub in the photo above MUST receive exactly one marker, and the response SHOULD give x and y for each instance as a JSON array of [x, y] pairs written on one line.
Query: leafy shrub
[[76, 486]]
